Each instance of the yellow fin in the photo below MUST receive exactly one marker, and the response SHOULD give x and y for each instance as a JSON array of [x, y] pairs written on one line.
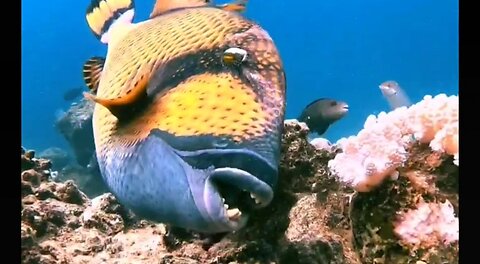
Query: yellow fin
[[102, 14], [92, 70], [162, 6], [237, 6], [120, 105]]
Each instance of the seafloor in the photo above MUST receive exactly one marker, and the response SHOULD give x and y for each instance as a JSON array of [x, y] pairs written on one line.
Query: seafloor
[[312, 219]]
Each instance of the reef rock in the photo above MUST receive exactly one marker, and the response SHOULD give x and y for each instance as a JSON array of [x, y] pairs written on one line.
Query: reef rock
[[57, 156], [89, 179], [76, 127], [310, 220]]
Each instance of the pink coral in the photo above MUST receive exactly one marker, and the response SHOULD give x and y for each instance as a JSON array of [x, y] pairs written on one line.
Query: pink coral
[[321, 143], [429, 225], [379, 148]]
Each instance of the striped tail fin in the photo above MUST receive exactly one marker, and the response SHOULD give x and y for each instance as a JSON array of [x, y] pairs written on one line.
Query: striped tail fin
[[103, 14]]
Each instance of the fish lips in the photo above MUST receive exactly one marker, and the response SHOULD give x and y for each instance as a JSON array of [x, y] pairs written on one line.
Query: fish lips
[[345, 108], [237, 181], [188, 188]]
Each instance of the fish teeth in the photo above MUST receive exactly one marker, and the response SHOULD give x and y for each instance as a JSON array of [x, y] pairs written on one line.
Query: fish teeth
[[254, 197], [225, 206], [234, 214]]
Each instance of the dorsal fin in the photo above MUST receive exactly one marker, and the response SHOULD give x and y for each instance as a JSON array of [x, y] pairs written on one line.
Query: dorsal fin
[[122, 104], [237, 6], [92, 69], [103, 14], [162, 6]]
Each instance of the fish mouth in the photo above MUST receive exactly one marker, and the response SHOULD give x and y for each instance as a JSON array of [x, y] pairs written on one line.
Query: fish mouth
[[230, 194], [344, 108], [386, 89]]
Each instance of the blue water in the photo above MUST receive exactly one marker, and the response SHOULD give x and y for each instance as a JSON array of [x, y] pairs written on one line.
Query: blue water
[[331, 48]]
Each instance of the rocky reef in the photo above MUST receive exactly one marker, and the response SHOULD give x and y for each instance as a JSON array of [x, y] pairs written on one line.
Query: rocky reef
[[314, 218], [75, 126], [57, 156]]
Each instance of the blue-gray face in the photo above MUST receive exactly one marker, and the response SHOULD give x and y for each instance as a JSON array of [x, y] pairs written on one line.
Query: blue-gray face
[[190, 189]]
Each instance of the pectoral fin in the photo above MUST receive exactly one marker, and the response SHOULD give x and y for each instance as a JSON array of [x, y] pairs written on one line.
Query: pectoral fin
[[122, 104], [92, 69]]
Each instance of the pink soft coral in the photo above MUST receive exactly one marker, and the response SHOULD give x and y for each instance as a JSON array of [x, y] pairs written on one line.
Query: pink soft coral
[[429, 225], [379, 148]]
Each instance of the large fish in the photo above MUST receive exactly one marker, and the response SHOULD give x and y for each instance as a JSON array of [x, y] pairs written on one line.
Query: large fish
[[189, 111]]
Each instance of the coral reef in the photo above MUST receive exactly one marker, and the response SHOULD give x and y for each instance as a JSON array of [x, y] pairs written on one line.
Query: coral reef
[[314, 217], [380, 147], [76, 127], [57, 156], [415, 214], [390, 223], [306, 223], [88, 180]]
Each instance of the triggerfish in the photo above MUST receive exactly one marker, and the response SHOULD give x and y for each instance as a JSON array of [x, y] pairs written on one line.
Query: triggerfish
[[189, 111], [321, 113]]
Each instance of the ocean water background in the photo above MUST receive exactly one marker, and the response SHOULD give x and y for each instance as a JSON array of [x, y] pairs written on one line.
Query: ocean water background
[[331, 48]]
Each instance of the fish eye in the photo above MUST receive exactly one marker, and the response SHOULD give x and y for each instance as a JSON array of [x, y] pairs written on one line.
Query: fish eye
[[333, 103]]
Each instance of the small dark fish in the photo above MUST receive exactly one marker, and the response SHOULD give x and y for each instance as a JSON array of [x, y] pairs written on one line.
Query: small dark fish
[[73, 93], [321, 113], [394, 94]]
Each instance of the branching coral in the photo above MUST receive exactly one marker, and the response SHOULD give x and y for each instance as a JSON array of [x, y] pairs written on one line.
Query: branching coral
[[380, 147]]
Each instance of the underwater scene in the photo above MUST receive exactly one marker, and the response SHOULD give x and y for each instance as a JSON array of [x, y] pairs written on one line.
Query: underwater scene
[[240, 131]]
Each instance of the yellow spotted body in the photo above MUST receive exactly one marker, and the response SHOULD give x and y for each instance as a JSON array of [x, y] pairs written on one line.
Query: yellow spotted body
[[203, 104], [208, 103]]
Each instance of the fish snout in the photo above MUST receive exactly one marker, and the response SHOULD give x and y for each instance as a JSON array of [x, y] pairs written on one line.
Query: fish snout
[[157, 183], [231, 194], [387, 90], [239, 181], [344, 107]]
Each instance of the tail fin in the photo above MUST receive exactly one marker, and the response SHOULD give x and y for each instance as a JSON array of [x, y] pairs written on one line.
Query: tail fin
[[102, 14]]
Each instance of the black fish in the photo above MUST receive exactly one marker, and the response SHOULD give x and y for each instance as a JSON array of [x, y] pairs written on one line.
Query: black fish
[[321, 113], [73, 93]]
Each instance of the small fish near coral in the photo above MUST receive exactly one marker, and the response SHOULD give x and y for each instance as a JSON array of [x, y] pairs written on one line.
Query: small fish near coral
[[189, 111], [320, 114], [395, 95]]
